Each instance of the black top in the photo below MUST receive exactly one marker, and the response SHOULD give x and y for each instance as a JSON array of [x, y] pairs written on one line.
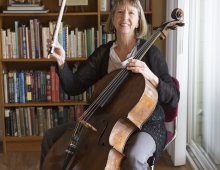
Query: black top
[[96, 67]]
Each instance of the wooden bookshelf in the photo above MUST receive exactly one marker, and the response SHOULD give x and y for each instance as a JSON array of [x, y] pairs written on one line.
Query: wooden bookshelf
[[90, 17]]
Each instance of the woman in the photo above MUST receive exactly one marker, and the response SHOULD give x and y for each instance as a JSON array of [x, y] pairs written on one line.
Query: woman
[[127, 20]]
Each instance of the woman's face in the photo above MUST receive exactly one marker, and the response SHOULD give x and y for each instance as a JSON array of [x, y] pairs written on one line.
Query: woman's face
[[125, 19]]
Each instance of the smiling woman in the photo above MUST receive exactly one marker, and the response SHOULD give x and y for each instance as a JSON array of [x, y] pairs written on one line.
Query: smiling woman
[[128, 22]]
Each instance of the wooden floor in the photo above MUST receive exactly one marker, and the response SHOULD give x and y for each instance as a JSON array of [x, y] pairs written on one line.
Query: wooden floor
[[31, 160]]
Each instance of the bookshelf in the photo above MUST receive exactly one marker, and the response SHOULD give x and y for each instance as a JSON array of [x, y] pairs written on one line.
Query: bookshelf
[[90, 17]]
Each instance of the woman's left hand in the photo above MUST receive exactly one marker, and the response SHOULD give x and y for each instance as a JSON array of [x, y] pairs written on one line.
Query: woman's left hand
[[138, 66]]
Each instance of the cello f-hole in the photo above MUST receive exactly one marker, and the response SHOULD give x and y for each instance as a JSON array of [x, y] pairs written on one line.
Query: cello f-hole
[[99, 141]]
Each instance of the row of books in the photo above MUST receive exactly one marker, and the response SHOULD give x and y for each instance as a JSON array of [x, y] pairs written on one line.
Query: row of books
[[29, 42], [34, 121], [38, 86]]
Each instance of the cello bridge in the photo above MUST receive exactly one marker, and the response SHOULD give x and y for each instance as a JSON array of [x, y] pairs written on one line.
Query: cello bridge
[[87, 125]]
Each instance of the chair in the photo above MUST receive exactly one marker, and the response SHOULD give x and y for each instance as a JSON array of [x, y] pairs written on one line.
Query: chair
[[170, 116]]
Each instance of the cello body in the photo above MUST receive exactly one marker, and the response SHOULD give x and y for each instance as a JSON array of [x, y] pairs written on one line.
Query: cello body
[[128, 110]]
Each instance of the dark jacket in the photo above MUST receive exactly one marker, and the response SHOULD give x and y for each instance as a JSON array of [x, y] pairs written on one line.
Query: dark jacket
[[96, 68]]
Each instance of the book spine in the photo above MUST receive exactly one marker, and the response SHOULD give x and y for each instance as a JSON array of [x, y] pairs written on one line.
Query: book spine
[[53, 76], [48, 86], [33, 121], [29, 121], [27, 43], [48, 117], [20, 40], [16, 86], [103, 5], [14, 50], [11, 87], [60, 115], [26, 125], [40, 121], [16, 39], [24, 41], [18, 121], [9, 43], [6, 91], [33, 47], [3, 36], [15, 123], [7, 122], [72, 113], [55, 117], [37, 37], [21, 114], [11, 123], [45, 36], [57, 88]]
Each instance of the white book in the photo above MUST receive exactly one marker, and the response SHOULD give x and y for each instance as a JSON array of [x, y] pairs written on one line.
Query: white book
[[45, 36], [33, 46], [76, 33], [9, 44], [27, 43], [79, 41], [3, 35], [71, 44], [75, 46], [93, 39], [147, 5], [85, 43], [14, 47], [103, 5]]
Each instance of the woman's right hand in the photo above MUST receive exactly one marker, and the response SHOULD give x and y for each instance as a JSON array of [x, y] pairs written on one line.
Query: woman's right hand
[[58, 54]]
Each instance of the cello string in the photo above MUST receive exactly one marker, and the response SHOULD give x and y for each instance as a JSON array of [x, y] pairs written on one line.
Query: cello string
[[89, 112]]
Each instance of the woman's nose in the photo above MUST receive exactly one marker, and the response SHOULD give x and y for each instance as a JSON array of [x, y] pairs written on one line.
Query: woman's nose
[[125, 15]]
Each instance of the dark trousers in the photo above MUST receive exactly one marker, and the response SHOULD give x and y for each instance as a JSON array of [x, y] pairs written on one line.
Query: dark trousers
[[138, 148]]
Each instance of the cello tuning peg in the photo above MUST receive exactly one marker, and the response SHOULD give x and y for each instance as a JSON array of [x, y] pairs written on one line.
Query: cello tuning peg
[[172, 28], [181, 24]]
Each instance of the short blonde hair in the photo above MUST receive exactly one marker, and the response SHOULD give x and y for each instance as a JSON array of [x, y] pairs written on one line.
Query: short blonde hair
[[141, 30]]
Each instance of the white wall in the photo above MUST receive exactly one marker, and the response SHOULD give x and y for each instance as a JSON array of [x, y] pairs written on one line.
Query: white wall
[[177, 59]]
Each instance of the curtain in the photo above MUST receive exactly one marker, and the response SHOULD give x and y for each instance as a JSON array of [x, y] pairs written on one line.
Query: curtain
[[211, 78]]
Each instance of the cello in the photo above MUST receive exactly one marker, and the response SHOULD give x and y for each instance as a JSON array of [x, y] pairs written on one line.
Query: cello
[[97, 142]]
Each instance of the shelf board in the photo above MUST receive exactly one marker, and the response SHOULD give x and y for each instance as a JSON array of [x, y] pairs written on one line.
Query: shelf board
[[23, 138], [50, 14], [42, 104], [41, 60]]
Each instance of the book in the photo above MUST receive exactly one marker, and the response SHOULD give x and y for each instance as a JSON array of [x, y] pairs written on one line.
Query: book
[[21, 115], [5, 79], [24, 3], [26, 11], [23, 7], [33, 121], [18, 121], [3, 36], [7, 122], [48, 86], [40, 121], [79, 111], [103, 5], [11, 123]]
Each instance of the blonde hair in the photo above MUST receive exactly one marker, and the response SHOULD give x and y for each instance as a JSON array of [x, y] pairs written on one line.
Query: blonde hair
[[141, 30]]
